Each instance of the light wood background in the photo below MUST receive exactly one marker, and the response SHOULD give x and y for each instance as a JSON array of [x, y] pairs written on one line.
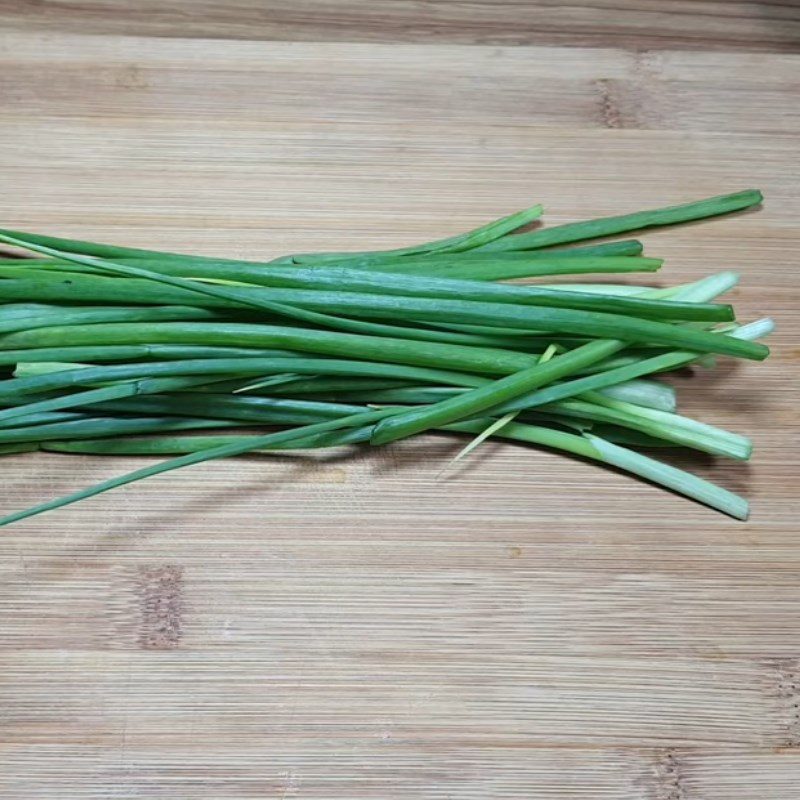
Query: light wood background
[[347, 626]]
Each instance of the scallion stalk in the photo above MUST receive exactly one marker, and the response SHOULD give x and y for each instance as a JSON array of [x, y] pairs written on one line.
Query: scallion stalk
[[109, 344]]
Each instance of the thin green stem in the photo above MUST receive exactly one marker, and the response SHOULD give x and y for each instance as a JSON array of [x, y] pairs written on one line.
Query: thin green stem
[[610, 226]]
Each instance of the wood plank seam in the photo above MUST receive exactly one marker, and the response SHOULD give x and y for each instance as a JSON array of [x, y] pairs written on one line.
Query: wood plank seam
[[160, 590], [786, 674], [670, 778]]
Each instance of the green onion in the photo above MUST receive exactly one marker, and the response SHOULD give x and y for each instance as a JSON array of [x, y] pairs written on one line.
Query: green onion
[[609, 226], [484, 235], [672, 478], [104, 426], [650, 394], [659, 424], [374, 300], [454, 408], [243, 299], [224, 451], [87, 316], [586, 446], [480, 236], [119, 350]]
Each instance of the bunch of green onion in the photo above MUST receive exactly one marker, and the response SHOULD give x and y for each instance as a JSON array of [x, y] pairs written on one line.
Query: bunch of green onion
[[115, 350]]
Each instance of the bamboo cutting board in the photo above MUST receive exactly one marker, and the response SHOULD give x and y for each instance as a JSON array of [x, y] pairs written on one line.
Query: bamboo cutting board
[[348, 626]]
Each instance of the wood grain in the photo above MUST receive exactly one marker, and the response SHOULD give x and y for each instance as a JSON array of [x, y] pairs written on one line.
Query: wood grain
[[347, 626], [743, 25]]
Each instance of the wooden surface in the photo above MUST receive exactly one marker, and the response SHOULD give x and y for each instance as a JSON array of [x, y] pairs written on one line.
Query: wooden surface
[[705, 24], [348, 626]]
